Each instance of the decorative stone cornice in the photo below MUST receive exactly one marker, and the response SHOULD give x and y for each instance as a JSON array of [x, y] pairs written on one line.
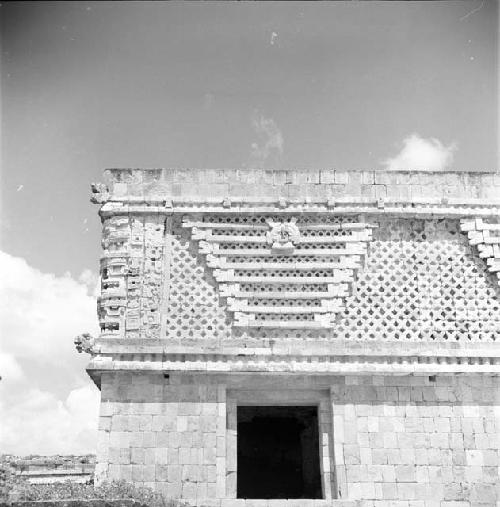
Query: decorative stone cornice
[[293, 364], [485, 236], [296, 357], [412, 193], [422, 208]]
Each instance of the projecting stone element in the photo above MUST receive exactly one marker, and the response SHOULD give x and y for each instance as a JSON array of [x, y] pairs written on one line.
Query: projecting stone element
[[100, 193], [85, 343], [283, 236], [485, 236]]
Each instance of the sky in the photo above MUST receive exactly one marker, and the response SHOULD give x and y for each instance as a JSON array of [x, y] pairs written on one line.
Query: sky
[[90, 85]]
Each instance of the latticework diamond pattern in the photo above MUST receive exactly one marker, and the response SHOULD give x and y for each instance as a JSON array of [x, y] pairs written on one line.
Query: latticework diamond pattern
[[421, 281]]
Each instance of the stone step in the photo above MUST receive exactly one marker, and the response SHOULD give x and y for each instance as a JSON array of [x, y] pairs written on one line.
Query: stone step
[[300, 502], [351, 249], [225, 276], [340, 292], [265, 227], [356, 236], [348, 262]]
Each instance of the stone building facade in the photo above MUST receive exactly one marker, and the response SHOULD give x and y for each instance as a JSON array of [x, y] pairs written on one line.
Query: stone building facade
[[300, 338]]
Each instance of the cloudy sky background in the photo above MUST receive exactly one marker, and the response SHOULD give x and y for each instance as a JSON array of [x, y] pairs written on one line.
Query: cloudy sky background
[[87, 85]]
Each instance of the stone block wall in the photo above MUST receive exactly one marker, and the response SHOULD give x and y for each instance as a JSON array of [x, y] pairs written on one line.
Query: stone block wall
[[398, 441], [418, 441], [163, 435], [210, 185], [414, 293]]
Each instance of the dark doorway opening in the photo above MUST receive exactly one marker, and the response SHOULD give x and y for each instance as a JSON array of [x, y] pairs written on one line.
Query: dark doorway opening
[[278, 452]]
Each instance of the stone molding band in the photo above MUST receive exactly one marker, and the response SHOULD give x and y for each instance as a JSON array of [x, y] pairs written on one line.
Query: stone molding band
[[317, 365], [425, 209]]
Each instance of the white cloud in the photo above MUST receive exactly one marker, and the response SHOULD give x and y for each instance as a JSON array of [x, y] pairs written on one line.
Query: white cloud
[[91, 281], [38, 422], [269, 148], [420, 154], [9, 367], [48, 403], [40, 313]]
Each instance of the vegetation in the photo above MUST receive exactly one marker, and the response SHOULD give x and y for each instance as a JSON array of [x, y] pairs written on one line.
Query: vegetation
[[13, 489], [116, 490]]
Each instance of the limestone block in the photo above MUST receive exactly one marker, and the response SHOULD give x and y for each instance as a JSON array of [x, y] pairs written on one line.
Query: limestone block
[[157, 456], [440, 440], [458, 457], [190, 473], [389, 492], [474, 457], [161, 472], [327, 176], [230, 484], [148, 439], [405, 473], [120, 439], [173, 456], [342, 177], [184, 455], [211, 473], [406, 491], [186, 439], [174, 489], [161, 438], [349, 434], [137, 473], [395, 456], [125, 473], [189, 490], [182, 424], [136, 456], [149, 475], [209, 455], [380, 457]]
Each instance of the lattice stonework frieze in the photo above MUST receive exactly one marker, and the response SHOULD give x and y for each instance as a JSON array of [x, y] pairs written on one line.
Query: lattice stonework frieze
[[282, 272], [485, 235]]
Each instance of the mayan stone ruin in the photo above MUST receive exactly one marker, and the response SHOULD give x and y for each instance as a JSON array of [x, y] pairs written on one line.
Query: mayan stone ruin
[[300, 338]]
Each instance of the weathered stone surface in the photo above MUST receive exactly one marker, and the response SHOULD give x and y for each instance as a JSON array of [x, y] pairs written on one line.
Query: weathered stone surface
[[80, 503], [362, 293]]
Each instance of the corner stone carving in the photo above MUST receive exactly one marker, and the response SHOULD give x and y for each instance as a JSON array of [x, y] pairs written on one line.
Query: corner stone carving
[[84, 343], [131, 277], [100, 193]]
